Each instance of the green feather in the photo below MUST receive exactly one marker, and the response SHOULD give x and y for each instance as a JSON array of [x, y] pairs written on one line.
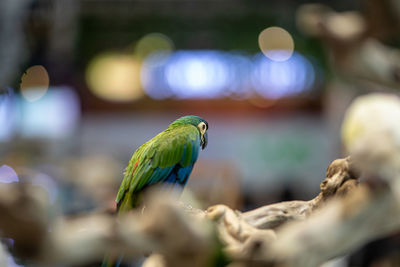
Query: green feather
[[153, 162], [155, 159]]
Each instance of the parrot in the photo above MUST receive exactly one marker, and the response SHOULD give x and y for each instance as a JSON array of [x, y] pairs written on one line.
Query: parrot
[[168, 159]]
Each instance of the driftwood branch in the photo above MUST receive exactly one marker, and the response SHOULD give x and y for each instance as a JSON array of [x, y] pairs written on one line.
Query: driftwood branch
[[294, 233], [164, 227], [341, 227], [340, 179]]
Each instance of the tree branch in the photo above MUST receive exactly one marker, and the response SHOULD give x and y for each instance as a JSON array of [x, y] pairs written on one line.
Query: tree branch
[[294, 233]]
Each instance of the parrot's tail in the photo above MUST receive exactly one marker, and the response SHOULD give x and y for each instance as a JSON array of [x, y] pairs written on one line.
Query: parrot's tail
[[111, 261]]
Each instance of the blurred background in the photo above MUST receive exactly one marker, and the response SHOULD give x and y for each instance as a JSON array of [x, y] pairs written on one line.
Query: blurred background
[[85, 82]]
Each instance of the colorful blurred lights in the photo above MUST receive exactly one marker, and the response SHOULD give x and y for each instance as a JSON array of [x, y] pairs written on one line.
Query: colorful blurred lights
[[115, 77], [54, 116], [216, 74], [272, 79], [276, 43], [196, 74], [153, 78]]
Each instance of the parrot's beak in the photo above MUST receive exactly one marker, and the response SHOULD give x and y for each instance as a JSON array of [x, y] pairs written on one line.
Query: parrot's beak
[[204, 140]]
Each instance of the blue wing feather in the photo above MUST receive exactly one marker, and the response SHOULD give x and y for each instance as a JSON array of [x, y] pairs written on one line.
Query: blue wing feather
[[183, 174], [176, 173], [158, 174]]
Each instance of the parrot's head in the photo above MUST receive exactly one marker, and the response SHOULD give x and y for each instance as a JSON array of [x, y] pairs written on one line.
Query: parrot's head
[[203, 127], [199, 123]]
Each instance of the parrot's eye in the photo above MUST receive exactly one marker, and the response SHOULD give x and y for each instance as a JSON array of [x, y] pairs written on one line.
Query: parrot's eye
[[202, 126]]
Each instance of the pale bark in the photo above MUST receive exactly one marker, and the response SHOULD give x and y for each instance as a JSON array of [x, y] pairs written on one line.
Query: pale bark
[[342, 217]]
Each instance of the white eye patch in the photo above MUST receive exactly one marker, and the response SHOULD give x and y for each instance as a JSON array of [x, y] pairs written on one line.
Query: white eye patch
[[202, 127]]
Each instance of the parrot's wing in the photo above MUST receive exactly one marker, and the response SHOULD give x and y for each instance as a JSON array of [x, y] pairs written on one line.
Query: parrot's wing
[[154, 161]]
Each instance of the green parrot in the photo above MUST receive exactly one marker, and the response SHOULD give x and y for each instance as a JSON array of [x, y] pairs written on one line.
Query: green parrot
[[167, 158]]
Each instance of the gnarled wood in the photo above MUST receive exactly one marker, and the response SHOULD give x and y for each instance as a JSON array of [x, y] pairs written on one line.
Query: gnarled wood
[[293, 233]]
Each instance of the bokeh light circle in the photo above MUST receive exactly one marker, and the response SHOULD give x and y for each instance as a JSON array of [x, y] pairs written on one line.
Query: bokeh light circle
[[272, 79], [276, 43], [153, 43], [34, 83], [196, 74], [8, 175], [114, 77]]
